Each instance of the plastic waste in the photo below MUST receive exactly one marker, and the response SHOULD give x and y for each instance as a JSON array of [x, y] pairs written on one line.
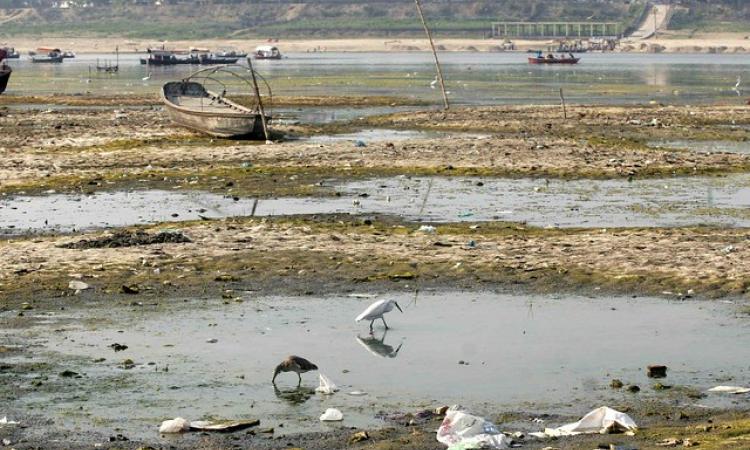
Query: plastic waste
[[360, 144], [730, 389], [429, 229], [327, 386], [332, 415], [461, 430], [5, 421], [601, 420], [77, 285], [178, 425]]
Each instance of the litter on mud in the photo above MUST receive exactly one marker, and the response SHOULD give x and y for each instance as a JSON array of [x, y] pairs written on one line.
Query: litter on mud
[[5, 421], [332, 415], [602, 420], [180, 425], [730, 390], [461, 430], [327, 386]]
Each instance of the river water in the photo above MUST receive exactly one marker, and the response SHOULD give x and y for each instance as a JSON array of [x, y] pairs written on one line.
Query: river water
[[472, 78]]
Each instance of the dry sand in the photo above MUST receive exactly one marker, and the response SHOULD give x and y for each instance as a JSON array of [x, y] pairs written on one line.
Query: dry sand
[[733, 42]]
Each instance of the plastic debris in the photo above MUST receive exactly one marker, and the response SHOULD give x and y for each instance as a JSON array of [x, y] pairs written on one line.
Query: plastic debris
[[461, 430], [360, 144], [602, 420], [332, 415], [178, 425], [730, 389], [429, 229], [357, 393], [5, 421], [77, 285], [327, 386]]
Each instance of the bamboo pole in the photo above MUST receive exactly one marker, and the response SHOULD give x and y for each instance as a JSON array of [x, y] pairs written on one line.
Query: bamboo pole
[[434, 54], [562, 100], [260, 102]]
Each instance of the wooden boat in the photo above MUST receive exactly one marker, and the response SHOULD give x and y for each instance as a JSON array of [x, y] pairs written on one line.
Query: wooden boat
[[5, 71], [267, 52], [551, 59], [191, 105], [12, 53], [47, 55]]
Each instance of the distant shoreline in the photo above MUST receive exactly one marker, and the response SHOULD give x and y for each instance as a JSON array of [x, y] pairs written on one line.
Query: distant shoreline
[[728, 43]]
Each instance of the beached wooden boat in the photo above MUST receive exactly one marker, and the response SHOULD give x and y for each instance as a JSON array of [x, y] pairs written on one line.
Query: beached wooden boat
[[267, 52], [191, 105]]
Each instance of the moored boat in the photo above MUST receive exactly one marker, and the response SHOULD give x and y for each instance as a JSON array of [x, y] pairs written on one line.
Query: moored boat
[[191, 105], [11, 53], [47, 55], [267, 52], [552, 59], [5, 71]]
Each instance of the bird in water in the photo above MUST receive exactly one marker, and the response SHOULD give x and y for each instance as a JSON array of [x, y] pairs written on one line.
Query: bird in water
[[377, 310], [738, 86], [147, 77], [293, 364]]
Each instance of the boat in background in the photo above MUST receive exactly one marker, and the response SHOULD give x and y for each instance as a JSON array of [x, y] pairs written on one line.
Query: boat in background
[[47, 55], [163, 57], [189, 104], [552, 59], [68, 54], [230, 53], [11, 53], [267, 52], [5, 70]]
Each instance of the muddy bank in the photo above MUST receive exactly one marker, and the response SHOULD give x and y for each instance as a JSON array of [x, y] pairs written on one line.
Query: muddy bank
[[83, 150], [309, 253]]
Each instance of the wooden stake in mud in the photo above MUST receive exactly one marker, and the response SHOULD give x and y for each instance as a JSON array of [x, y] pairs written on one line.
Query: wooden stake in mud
[[562, 100], [434, 53], [260, 102]]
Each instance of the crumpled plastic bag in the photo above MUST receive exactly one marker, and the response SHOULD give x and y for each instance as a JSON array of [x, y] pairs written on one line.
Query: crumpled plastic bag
[[178, 425], [461, 430], [331, 415], [5, 421], [602, 420], [730, 389], [327, 386]]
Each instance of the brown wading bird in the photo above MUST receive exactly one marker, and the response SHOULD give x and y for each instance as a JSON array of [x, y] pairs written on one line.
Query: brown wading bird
[[293, 364]]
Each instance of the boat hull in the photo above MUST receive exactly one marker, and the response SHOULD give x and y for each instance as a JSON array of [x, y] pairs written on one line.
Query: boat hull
[[47, 59], [231, 121], [4, 77], [554, 61]]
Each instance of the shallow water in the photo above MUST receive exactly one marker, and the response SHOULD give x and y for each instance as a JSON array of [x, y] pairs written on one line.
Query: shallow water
[[541, 352], [472, 78], [705, 146], [720, 201]]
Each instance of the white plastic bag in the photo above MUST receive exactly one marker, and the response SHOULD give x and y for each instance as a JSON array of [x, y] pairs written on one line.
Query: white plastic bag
[[730, 389], [5, 421], [461, 430], [601, 420], [177, 425], [332, 415], [326, 385]]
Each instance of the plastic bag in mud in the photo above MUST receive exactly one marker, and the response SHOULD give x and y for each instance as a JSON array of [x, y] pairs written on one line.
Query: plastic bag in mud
[[601, 420], [326, 385], [461, 430]]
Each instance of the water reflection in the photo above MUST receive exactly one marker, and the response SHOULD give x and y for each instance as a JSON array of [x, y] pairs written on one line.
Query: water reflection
[[294, 396], [378, 347]]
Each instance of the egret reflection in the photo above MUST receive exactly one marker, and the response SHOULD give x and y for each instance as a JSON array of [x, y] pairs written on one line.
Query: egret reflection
[[378, 347]]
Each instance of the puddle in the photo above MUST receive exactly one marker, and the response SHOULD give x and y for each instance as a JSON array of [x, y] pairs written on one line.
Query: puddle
[[720, 201], [705, 146], [380, 134], [331, 114], [537, 351]]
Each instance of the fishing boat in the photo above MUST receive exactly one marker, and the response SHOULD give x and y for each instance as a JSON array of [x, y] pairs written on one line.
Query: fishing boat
[[191, 105], [47, 55], [552, 59], [267, 52], [68, 54], [162, 57], [5, 71], [231, 53], [11, 53]]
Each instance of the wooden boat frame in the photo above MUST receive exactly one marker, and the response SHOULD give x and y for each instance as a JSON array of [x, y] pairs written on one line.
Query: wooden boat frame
[[232, 120]]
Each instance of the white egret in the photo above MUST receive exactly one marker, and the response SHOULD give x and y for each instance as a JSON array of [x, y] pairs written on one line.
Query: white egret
[[737, 86], [147, 77], [293, 364], [433, 83], [377, 310]]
